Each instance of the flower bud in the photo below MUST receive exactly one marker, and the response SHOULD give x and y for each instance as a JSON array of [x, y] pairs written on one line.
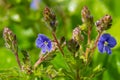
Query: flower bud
[[86, 16], [104, 23], [50, 18], [76, 35], [10, 39], [73, 46]]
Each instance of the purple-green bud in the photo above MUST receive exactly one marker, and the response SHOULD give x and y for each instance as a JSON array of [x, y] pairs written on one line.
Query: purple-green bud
[[50, 18], [104, 23], [10, 39], [76, 35], [73, 46], [86, 16], [62, 41]]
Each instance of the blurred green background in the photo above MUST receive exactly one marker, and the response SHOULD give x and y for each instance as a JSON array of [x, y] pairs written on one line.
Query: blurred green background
[[27, 23]]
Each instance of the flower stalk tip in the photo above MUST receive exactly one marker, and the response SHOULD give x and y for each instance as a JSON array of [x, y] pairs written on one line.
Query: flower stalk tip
[[11, 43], [104, 23], [50, 18]]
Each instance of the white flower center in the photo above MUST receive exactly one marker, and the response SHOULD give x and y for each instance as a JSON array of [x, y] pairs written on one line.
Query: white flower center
[[46, 43], [106, 43]]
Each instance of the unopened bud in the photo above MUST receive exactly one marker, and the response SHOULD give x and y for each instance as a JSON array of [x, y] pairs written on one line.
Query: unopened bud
[[50, 18], [104, 23], [76, 35], [86, 16], [10, 39], [73, 46]]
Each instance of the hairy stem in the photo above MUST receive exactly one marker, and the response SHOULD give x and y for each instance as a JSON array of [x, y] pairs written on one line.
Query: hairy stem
[[95, 44], [88, 42], [38, 62], [89, 33], [17, 59], [55, 38], [97, 39], [41, 59]]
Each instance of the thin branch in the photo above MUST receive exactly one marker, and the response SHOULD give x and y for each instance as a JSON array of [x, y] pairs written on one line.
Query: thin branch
[[88, 42], [89, 33], [17, 59], [53, 33], [97, 39], [95, 44]]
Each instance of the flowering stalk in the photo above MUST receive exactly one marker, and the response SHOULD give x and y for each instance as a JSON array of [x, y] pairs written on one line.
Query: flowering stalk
[[50, 18], [11, 43], [87, 19]]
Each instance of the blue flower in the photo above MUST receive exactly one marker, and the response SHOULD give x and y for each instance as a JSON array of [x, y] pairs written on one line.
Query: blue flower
[[105, 43], [44, 43], [35, 4]]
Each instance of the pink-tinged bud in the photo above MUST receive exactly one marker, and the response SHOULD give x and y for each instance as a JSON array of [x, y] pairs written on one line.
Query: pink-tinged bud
[[10, 39], [104, 23], [50, 18], [86, 16], [76, 35]]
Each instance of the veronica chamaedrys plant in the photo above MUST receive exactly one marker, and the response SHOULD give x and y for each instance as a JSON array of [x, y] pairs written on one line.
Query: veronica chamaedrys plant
[[105, 43], [81, 48]]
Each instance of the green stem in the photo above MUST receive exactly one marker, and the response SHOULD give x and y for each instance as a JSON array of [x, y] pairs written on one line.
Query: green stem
[[88, 43], [77, 74], [95, 45], [89, 33]]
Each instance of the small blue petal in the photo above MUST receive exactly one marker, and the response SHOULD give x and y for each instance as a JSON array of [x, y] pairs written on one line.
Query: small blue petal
[[104, 37], [101, 46], [39, 43], [49, 46], [111, 42], [108, 50], [43, 37], [44, 50]]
